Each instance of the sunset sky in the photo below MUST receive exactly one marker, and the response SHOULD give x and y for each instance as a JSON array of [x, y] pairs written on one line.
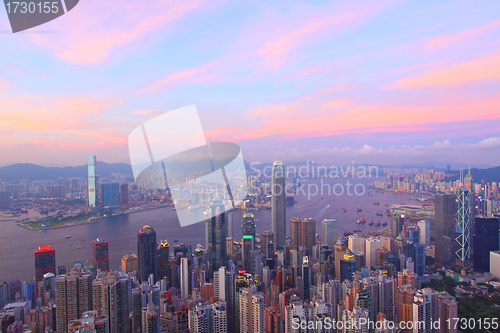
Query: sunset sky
[[381, 82]]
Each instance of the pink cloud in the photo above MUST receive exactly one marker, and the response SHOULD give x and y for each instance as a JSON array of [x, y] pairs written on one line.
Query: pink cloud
[[465, 73], [446, 40], [88, 34]]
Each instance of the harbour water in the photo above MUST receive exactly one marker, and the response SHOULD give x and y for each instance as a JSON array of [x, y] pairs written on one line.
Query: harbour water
[[17, 244]]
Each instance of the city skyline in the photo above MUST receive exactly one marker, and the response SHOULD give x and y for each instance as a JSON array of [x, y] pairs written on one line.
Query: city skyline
[[370, 82]]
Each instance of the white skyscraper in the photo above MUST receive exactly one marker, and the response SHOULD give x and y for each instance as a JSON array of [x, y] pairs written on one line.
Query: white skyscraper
[[372, 245], [425, 232], [356, 243], [329, 231], [92, 186], [184, 279]]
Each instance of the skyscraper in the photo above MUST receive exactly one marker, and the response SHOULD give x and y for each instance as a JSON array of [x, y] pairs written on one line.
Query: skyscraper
[[329, 232], [216, 232], [100, 254], [146, 250], [164, 255], [278, 208], [486, 239], [110, 195], [45, 262], [123, 194], [463, 226], [302, 234], [92, 189], [425, 232], [445, 210], [184, 279], [248, 240]]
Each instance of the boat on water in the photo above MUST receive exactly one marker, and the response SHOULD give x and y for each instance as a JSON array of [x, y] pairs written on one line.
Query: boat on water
[[358, 221], [78, 247], [384, 224], [386, 204], [378, 224], [345, 209], [357, 230], [380, 214], [359, 210], [376, 203], [67, 236], [371, 223], [347, 233], [176, 240], [363, 220]]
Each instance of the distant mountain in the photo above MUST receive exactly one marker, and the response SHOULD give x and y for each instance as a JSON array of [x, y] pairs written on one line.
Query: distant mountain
[[37, 172], [489, 175]]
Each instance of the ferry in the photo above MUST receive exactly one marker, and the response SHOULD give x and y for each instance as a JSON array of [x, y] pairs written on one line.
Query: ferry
[[67, 236]]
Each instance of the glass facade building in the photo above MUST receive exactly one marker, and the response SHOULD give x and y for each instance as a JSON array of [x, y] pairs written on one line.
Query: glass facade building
[[100, 254], [486, 239], [278, 209], [92, 190], [45, 262]]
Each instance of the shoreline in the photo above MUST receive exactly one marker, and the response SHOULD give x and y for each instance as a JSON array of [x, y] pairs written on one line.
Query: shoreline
[[89, 220]]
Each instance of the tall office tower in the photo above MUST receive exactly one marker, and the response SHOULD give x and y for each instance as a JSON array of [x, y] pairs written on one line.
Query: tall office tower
[[418, 257], [29, 292], [163, 256], [110, 298], [372, 245], [230, 248], [45, 262], [130, 263], [231, 301], [468, 182], [425, 232], [278, 208], [488, 208], [464, 226], [150, 319], [248, 240], [306, 278], [426, 309], [109, 195], [329, 232], [448, 311], [92, 181], [340, 248], [397, 223], [385, 296], [303, 235], [73, 294], [141, 297], [445, 210], [347, 266], [486, 239], [217, 231], [100, 254], [146, 250], [124, 194], [356, 243], [184, 279]]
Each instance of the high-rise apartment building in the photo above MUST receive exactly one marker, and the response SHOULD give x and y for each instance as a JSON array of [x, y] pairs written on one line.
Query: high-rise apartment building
[[302, 235], [130, 263], [73, 296], [92, 181], [278, 208], [150, 319], [146, 253], [100, 254], [45, 262], [425, 232], [163, 257], [372, 244]]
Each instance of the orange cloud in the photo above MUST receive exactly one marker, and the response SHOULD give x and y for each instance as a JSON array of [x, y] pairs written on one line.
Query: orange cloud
[[464, 73]]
